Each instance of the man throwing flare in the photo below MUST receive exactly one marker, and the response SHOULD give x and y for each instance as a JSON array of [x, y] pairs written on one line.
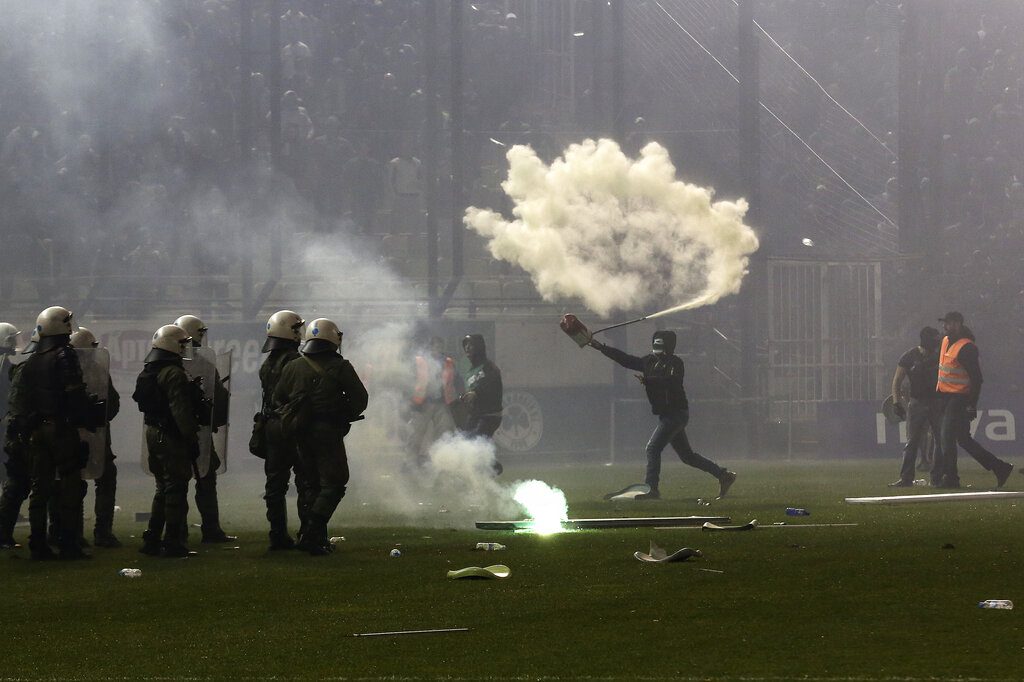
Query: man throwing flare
[[662, 376]]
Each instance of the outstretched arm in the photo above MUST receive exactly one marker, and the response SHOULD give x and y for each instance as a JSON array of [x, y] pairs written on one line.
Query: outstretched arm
[[625, 359]]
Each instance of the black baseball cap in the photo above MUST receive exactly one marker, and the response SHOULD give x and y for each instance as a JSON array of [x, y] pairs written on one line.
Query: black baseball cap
[[953, 317]]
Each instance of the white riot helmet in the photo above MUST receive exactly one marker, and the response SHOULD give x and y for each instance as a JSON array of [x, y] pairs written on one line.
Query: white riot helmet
[[194, 326], [8, 338], [54, 321], [284, 330], [172, 339], [83, 338], [322, 336]]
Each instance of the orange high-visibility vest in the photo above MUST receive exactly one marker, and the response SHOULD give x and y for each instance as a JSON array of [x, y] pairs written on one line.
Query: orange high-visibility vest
[[419, 392], [953, 378]]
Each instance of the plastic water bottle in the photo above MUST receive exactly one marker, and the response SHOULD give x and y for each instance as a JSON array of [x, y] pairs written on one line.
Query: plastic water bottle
[[995, 604], [130, 572], [490, 546], [797, 511]]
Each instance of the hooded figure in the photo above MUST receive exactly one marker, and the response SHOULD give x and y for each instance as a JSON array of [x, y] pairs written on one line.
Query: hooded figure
[[484, 391], [662, 376]]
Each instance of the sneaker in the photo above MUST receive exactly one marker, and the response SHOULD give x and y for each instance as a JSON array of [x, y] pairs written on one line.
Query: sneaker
[[653, 495], [8, 543], [176, 551], [725, 482], [1003, 473], [901, 484]]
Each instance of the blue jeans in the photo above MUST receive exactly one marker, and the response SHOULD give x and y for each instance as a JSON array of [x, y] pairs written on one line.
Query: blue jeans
[[672, 429]]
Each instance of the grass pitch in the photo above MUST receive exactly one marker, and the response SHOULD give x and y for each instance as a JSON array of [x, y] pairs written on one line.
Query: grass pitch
[[880, 600]]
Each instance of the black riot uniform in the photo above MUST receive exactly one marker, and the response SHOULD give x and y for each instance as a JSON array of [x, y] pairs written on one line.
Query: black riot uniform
[[50, 392]]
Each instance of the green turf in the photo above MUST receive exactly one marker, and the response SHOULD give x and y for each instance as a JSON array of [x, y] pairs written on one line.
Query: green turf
[[882, 600]]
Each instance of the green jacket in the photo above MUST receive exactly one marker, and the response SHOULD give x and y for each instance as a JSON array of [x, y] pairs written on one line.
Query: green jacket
[[337, 395], [178, 412], [270, 373]]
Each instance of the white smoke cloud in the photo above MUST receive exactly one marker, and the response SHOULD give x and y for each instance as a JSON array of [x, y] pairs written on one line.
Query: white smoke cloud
[[456, 485], [618, 233]]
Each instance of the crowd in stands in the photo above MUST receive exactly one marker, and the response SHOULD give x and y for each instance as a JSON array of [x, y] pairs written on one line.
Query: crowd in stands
[[144, 173]]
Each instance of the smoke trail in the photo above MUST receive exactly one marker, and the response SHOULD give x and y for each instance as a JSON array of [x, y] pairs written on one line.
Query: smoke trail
[[456, 485], [618, 233]]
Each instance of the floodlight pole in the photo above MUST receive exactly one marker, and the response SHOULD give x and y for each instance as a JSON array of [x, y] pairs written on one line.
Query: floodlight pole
[[245, 136], [750, 172]]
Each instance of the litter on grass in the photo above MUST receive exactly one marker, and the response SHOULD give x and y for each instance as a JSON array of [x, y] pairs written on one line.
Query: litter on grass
[[660, 556], [407, 632], [484, 573]]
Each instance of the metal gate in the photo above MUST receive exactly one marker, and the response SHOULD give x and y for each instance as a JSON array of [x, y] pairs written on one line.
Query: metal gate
[[824, 335]]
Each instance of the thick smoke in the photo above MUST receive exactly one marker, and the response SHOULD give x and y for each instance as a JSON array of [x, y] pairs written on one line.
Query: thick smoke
[[455, 485], [618, 233]]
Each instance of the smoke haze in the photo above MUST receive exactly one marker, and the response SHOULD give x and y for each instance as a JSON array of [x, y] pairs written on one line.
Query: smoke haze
[[617, 233]]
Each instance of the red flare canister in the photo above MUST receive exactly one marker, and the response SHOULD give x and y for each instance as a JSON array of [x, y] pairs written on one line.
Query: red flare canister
[[572, 326]]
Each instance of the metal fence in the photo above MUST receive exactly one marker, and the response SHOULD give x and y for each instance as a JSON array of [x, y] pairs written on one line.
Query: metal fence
[[824, 335]]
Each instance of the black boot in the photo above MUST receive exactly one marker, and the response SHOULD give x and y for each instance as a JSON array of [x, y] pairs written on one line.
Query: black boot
[[40, 551], [314, 540], [105, 539], [150, 543], [217, 535], [281, 541]]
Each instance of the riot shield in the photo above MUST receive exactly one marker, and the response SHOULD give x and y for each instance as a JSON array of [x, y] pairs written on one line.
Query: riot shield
[[95, 363], [6, 362], [221, 409], [203, 367]]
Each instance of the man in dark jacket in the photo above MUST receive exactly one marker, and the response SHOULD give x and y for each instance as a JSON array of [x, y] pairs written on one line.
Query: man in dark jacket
[[169, 407], [919, 365], [284, 333], [325, 389], [484, 393], [662, 376]]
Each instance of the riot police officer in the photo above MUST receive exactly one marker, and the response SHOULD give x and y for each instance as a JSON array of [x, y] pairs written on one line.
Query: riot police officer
[[50, 392], [167, 402], [206, 483], [16, 481], [106, 484], [317, 397], [284, 333]]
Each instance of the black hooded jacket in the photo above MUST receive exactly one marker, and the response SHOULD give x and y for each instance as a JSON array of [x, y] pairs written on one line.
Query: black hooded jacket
[[484, 379], [662, 374]]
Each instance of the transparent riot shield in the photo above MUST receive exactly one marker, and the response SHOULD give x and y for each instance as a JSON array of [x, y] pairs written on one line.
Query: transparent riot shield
[[222, 409], [6, 362], [203, 367], [95, 363]]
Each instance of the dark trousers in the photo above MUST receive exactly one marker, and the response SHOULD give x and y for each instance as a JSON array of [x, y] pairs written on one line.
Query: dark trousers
[[282, 459], [54, 451], [955, 431], [322, 456], [13, 494], [483, 426], [106, 491], [672, 429], [923, 417], [171, 465], [206, 497]]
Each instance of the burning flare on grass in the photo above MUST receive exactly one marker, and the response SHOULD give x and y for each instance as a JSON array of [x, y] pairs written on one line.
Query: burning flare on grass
[[619, 233], [544, 505]]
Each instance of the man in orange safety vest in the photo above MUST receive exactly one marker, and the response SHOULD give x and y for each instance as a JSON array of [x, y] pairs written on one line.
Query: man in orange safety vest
[[958, 388]]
